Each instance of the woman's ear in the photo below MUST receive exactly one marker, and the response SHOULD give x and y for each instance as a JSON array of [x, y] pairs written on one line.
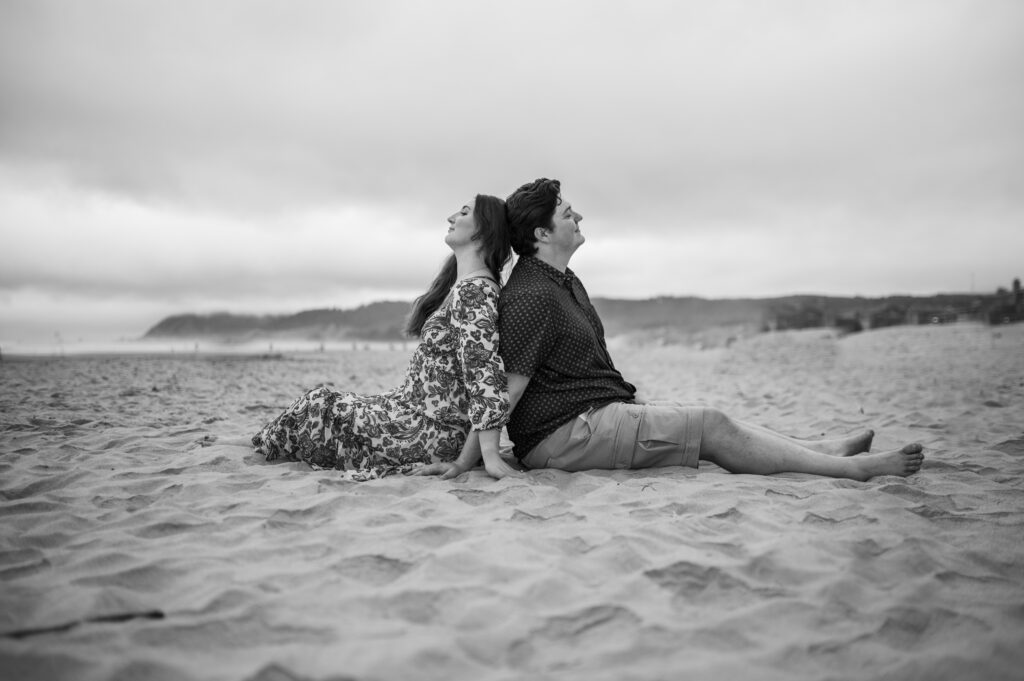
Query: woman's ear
[[541, 233]]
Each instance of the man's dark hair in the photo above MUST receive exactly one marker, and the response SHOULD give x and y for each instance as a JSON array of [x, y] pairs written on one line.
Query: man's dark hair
[[531, 206]]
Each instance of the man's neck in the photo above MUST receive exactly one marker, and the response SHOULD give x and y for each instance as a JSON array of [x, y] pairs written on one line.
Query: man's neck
[[559, 261]]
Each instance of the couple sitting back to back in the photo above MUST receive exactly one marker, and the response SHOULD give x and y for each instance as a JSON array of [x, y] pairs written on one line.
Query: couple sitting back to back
[[550, 379]]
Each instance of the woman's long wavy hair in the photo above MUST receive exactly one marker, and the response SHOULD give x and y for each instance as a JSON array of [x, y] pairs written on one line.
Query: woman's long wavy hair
[[491, 221]]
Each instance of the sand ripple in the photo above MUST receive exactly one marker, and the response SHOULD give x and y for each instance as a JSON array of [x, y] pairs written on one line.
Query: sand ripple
[[137, 542]]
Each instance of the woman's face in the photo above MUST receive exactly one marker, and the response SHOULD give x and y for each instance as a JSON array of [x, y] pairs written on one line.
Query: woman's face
[[461, 227]]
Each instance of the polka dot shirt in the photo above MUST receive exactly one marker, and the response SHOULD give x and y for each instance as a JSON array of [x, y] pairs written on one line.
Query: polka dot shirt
[[549, 331]]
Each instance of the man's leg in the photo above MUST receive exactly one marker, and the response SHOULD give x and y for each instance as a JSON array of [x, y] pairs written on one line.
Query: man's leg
[[840, 446], [740, 448]]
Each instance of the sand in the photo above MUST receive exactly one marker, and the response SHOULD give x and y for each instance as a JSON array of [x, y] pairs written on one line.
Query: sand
[[135, 543]]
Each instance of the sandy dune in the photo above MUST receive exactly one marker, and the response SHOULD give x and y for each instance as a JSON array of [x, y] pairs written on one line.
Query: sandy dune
[[136, 544]]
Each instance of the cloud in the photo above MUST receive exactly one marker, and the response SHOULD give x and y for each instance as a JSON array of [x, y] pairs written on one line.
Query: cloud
[[221, 105], [281, 153], [107, 245]]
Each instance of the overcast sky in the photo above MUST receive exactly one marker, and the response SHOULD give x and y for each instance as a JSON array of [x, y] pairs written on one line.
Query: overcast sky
[[169, 157]]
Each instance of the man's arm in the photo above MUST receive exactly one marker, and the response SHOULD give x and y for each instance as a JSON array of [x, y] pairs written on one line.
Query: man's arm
[[516, 387]]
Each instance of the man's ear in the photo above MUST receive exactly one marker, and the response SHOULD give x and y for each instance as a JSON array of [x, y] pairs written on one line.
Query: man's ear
[[541, 233]]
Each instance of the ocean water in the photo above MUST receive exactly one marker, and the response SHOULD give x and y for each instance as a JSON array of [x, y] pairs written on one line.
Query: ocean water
[[189, 347]]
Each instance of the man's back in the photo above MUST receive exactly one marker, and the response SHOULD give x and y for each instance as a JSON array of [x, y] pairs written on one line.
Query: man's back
[[550, 333]]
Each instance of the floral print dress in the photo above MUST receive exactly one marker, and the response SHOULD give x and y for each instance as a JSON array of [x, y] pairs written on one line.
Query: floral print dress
[[455, 383]]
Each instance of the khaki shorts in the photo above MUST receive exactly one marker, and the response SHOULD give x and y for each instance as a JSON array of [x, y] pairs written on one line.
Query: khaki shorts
[[620, 435]]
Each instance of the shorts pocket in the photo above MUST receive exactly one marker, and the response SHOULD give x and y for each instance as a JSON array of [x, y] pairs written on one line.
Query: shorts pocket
[[661, 438], [581, 429]]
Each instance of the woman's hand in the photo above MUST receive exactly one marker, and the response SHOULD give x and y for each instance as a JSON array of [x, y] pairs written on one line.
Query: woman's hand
[[497, 468], [447, 470], [490, 448]]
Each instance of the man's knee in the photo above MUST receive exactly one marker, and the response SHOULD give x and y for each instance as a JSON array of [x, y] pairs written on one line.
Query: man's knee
[[715, 420], [718, 435]]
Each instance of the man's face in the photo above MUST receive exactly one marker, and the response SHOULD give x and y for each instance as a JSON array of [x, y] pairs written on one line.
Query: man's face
[[565, 228]]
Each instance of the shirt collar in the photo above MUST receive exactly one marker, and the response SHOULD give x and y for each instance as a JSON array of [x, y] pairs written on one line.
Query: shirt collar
[[560, 278]]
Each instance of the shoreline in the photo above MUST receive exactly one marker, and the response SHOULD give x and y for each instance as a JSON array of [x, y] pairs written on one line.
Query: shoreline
[[188, 350], [709, 338]]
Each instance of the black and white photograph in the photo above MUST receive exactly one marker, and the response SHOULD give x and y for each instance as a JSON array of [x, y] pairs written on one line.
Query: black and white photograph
[[365, 340]]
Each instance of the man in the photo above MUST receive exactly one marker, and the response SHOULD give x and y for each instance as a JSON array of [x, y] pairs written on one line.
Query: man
[[573, 410]]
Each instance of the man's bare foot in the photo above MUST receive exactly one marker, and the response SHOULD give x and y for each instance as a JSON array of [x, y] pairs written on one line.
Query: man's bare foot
[[855, 444], [843, 446], [906, 461]]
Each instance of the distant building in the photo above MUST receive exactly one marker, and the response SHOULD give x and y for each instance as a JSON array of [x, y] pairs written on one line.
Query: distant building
[[890, 315], [1008, 306], [792, 317], [944, 315], [852, 324]]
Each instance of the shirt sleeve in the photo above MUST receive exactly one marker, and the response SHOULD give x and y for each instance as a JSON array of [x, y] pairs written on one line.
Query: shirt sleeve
[[475, 314], [527, 332]]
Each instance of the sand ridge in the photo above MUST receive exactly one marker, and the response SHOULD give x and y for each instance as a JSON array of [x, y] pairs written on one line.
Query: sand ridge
[[135, 543]]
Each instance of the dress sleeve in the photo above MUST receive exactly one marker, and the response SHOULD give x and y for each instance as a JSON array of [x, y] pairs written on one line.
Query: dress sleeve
[[475, 314], [527, 333]]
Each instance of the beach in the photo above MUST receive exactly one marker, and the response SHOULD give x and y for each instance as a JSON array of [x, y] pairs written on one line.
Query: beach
[[139, 540]]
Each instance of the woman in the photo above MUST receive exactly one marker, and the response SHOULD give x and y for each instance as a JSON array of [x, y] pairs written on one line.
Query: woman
[[454, 400]]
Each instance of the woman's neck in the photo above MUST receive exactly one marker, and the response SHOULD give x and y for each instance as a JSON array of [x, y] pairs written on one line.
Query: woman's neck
[[470, 262]]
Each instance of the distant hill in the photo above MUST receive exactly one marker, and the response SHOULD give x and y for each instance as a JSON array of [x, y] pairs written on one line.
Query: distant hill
[[665, 318], [376, 321], [692, 314], [717, 321]]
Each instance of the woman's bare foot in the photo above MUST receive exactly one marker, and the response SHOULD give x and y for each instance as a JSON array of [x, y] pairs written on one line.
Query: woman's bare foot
[[906, 461]]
